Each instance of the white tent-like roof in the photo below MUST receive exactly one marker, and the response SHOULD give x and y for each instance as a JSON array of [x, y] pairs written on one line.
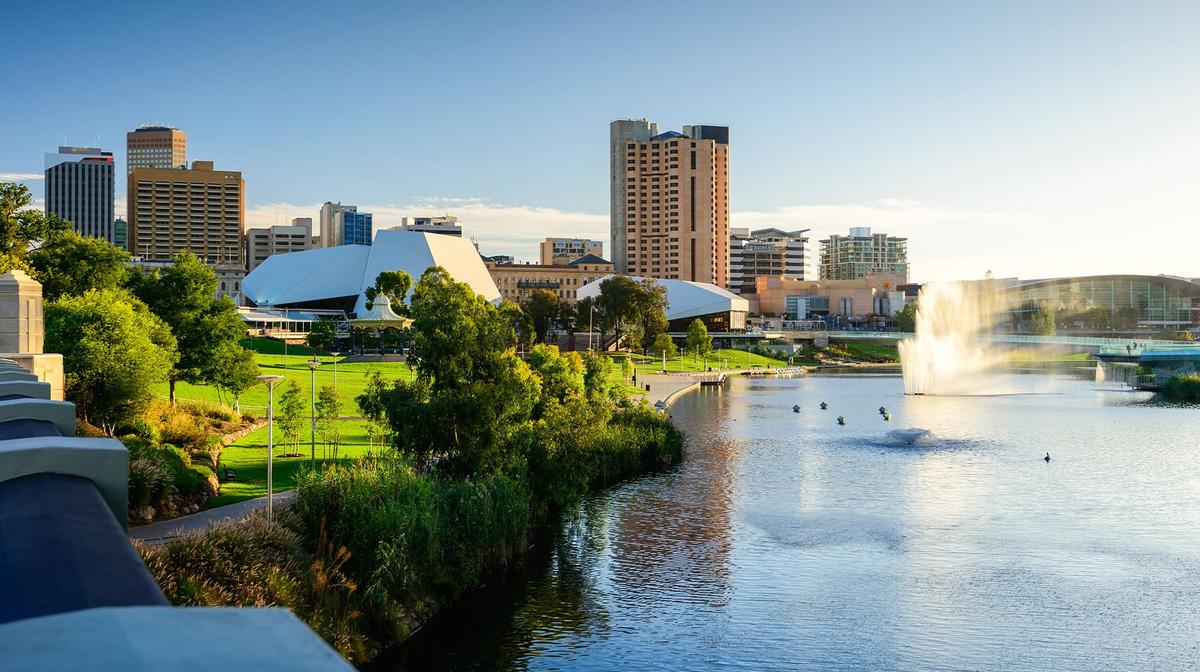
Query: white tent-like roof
[[684, 297], [348, 270]]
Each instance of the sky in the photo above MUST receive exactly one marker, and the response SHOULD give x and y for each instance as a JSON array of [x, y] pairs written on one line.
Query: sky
[[1029, 139]]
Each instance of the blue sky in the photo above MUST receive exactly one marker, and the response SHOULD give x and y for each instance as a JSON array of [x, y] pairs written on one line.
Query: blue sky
[[1025, 138]]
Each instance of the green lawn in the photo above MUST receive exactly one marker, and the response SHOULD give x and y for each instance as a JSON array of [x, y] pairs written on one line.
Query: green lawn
[[248, 458], [717, 360], [351, 376]]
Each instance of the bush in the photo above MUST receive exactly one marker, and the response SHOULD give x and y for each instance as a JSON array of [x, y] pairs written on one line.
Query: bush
[[1183, 388], [140, 427], [149, 482]]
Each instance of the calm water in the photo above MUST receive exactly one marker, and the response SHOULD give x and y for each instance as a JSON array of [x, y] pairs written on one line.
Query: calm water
[[788, 542]]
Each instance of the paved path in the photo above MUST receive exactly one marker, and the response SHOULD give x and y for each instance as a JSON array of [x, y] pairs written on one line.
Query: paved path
[[162, 531], [664, 386]]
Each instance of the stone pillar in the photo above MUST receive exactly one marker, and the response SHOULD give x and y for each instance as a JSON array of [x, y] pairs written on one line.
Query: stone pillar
[[21, 331]]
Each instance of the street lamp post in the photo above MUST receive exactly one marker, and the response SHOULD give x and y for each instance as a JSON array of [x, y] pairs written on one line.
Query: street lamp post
[[270, 382], [312, 387], [591, 313]]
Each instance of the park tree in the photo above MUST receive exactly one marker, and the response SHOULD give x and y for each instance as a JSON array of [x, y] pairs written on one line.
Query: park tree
[[663, 346], [1097, 318], [520, 322], [1125, 317], [597, 375], [560, 372], [1043, 321], [23, 228], [68, 263], [290, 414], [114, 352], [391, 284], [651, 311], [618, 305], [184, 296], [473, 394], [329, 410], [323, 334], [234, 372], [589, 314], [906, 318], [543, 308], [698, 342]]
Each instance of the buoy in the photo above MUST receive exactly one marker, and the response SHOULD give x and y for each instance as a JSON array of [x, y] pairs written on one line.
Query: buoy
[[824, 405], [882, 410], [887, 417], [1047, 457], [796, 408], [841, 420]]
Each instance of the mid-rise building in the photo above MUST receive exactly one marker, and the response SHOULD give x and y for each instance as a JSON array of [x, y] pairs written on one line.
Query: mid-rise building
[[767, 252], [198, 209], [121, 234], [345, 225], [517, 282], [559, 251], [446, 225], [672, 220], [150, 146], [79, 187], [863, 253], [280, 239]]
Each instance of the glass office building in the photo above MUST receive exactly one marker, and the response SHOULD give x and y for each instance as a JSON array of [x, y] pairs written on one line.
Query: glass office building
[[356, 227], [1158, 300]]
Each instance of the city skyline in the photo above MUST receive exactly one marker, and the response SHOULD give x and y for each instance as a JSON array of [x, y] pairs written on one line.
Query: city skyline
[[1022, 140]]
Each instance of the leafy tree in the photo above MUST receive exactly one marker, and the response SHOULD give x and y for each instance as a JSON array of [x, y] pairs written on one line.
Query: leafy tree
[[906, 319], [520, 322], [474, 395], [560, 372], [114, 352], [234, 372], [543, 309], [1043, 320], [698, 342], [618, 305], [323, 334], [69, 263], [183, 295], [1125, 317], [329, 410], [589, 314], [597, 375], [663, 346], [651, 311], [392, 284], [1097, 318], [290, 413], [22, 228]]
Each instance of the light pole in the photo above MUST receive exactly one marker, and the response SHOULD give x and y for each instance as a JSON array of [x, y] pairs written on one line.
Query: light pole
[[591, 313], [270, 382], [312, 388]]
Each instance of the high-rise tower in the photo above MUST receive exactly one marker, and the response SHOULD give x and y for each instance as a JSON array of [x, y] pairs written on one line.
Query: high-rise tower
[[155, 147], [670, 201], [79, 187]]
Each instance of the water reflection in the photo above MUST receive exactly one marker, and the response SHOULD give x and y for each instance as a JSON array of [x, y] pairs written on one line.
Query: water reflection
[[786, 541]]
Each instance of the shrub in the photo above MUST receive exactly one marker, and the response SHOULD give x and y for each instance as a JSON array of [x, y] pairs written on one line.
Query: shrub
[[1183, 388], [140, 427], [149, 482]]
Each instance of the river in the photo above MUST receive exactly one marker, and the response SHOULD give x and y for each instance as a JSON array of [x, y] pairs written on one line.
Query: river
[[787, 542]]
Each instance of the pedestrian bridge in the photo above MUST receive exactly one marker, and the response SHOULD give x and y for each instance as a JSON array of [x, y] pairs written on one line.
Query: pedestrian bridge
[[1094, 344]]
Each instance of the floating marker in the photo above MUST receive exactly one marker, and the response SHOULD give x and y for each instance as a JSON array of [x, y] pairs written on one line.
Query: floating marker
[[824, 405], [796, 408], [841, 420]]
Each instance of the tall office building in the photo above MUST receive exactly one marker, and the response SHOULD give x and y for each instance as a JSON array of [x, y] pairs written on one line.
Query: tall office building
[[863, 253], [559, 251], [197, 209], [280, 239], [670, 201], [121, 233], [156, 147], [344, 225], [79, 187], [767, 252]]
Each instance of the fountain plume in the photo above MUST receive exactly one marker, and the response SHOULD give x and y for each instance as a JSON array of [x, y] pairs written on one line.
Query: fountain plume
[[950, 353]]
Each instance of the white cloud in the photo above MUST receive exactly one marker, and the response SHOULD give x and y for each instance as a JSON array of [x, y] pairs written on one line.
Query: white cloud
[[20, 177], [499, 229], [945, 242]]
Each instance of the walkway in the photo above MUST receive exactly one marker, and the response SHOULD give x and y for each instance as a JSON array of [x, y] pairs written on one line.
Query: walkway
[[163, 531], [664, 387]]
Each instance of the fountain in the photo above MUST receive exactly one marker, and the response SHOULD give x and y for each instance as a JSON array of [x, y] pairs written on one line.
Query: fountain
[[949, 353], [913, 436]]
